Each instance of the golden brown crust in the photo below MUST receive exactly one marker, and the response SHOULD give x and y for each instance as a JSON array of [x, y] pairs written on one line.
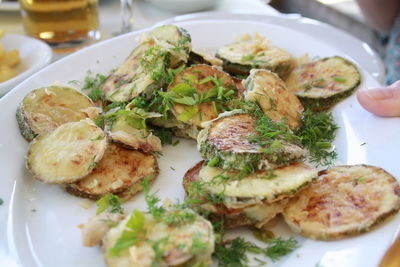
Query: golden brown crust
[[232, 133], [345, 201], [120, 172]]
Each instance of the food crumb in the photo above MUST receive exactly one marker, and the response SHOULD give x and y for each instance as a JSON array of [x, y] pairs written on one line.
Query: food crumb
[[85, 204]]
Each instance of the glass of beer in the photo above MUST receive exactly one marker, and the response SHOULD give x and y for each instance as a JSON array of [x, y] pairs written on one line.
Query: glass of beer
[[61, 23]]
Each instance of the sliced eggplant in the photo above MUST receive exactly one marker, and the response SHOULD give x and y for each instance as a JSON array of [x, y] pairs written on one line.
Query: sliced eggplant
[[242, 56], [158, 243], [67, 154], [322, 83], [120, 172], [271, 94], [344, 201], [44, 109], [228, 141]]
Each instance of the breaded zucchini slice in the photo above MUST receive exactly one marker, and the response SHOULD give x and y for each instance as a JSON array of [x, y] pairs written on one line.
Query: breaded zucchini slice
[[200, 93], [156, 243], [68, 153], [120, 172], [344, 201], [143, 70], [322, 83], [227, 141], [232, 211], [283, 182], [132, 132], [271, 94], [44, 109], [242, 56]]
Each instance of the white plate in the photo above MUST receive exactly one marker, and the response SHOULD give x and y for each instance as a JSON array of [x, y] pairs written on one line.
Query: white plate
[[38, 221], [9, 6], [184, 5], [34, 54], [360, 51]]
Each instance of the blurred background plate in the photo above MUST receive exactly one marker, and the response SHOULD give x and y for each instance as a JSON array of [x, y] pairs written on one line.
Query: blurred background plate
[[184, 5], [34, 55]]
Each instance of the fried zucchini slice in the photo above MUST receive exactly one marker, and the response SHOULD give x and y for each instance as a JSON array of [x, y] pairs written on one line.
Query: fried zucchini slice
[[68, 153], [271, 94], [120, 172], [159, 243], [322, 83], [132, 132], [227, 140], [44, 109], [240, 57], [242, 207], [142, 71], [282, 183], [200, 93], [344, 201]]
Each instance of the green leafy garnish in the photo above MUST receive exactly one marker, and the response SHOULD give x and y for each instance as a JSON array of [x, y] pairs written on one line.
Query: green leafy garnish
[[279, 247], [94, 84], [1, 201], [111, 202], [135, 231], [317, 134]]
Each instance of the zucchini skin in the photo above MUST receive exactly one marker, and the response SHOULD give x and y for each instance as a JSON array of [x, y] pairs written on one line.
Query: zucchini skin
[[23, 124]]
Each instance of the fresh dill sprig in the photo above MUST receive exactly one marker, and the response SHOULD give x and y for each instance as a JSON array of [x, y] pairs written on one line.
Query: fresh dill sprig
[[93, 85], [317, 134], [280, 247]]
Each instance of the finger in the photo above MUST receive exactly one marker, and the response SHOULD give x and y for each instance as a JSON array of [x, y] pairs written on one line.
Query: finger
[[383, 102]]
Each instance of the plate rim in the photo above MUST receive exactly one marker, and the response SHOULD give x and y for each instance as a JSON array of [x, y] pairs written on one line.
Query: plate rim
[[13, 92]]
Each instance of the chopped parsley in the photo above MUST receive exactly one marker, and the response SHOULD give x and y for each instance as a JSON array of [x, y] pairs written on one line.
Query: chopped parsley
[[340, 79]]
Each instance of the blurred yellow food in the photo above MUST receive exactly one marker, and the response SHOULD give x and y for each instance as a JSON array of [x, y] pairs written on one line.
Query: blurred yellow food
[[8, 60]]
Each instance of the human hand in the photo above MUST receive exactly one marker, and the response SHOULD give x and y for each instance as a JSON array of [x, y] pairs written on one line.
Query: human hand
[[381, 101]]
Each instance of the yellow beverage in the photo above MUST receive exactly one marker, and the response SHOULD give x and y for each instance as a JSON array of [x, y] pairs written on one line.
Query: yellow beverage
[[60, 21]]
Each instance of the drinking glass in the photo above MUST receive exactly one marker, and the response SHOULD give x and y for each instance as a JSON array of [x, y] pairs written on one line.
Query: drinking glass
[[61, 23]]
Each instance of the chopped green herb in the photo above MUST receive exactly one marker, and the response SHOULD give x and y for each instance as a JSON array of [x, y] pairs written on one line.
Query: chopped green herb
[[177, 141], [172, 168], [340, 79], [152, 201], [135, 232], [248, 57], [100, 121], [213, 162], [1, 201], [94, 84], [164, 134], [280, 247], [111, 202], [99, 137], [92, 163], [317, 134]]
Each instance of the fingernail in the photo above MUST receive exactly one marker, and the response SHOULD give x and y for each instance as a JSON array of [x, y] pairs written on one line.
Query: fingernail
[[378, 93]]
